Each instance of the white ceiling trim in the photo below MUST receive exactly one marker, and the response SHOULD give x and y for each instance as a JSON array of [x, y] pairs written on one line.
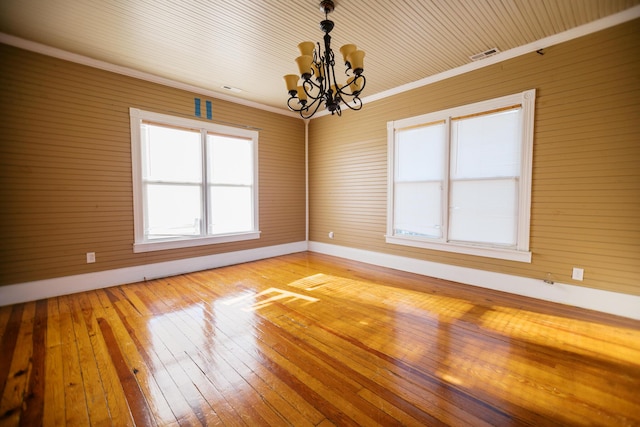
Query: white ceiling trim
[[574, 33], [594, 26], [130, 72]]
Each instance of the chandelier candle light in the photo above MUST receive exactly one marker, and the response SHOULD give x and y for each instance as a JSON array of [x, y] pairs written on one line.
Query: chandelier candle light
[[319, 83]]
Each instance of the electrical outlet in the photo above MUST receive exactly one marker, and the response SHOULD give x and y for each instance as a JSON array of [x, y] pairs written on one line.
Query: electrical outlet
[[578, 274], [91, 257]]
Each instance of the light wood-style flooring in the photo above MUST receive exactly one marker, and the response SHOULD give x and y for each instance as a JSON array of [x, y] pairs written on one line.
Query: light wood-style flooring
[[311, 340]]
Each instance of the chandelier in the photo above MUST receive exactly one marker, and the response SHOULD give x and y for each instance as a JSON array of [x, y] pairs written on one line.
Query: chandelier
[[319, 83]]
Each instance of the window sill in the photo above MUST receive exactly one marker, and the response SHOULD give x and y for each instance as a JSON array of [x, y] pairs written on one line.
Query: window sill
[[498, 253], [161, 245]]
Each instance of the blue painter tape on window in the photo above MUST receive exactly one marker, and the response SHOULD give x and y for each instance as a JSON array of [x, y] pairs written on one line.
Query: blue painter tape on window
[[197, 105], [209, 112]]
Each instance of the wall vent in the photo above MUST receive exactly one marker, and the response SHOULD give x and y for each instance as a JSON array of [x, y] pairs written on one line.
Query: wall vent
[[485, 54]]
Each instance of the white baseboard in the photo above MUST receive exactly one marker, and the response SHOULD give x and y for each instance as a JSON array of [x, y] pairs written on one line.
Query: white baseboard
[[39, 289], [577, 296]]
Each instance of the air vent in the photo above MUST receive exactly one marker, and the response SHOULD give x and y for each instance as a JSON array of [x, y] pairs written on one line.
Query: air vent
[[231, 88], [485, 54]]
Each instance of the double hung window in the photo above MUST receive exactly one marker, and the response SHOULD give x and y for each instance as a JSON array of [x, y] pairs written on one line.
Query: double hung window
[[460, 179], [194, 182]]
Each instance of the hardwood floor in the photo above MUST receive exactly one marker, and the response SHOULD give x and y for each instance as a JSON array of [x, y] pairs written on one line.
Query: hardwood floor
[[312, 340]]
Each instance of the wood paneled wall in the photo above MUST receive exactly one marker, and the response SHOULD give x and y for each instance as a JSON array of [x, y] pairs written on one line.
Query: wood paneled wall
[[586, 166], [65, 167]]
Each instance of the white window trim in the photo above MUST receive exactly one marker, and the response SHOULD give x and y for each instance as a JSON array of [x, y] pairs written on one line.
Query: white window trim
[[521, 253], [137, 116]]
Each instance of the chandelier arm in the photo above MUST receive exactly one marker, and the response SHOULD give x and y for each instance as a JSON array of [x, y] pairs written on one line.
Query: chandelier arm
[[317, 57], [293, 108], [342, 90], [317, 102], [309, 89], [358, 104], [302, 107], [364, 82]]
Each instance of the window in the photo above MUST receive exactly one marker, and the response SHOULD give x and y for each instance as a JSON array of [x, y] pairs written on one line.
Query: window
[[460, 179], [194, 182]]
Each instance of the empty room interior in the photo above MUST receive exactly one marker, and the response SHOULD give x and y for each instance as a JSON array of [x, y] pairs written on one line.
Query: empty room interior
[[431, 220]]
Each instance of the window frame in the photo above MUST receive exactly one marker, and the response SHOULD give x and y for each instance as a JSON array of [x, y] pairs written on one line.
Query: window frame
[[141, 243], [521, 250]]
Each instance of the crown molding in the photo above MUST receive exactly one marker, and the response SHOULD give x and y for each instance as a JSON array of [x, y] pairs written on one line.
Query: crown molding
[[574, 33], [130, 72], [583, 30]]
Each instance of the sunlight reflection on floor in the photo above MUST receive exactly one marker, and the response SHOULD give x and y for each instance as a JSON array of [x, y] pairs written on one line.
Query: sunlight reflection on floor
[[503, 363], [276, 295]]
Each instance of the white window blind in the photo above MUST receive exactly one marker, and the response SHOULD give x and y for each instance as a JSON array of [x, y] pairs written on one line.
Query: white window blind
[[484, 176], [419, 181]]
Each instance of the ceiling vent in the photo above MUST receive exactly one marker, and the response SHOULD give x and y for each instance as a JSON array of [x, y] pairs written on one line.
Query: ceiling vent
[[231, 88], [485, 54]]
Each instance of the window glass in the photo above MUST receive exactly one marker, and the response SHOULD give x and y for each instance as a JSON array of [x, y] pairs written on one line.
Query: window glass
[[170, 154], [230, 159], [172, 211], [231, 209]]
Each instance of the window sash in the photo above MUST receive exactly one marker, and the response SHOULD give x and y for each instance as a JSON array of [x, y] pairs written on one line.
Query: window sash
[[156, 225], [513, 181]]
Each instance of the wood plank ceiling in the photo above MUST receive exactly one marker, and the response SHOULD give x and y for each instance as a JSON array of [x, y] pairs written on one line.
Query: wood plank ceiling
[[251, 44]]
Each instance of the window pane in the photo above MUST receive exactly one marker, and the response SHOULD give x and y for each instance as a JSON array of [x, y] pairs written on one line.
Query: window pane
[[486, 146], [172, 210], [484, 211], [420, 153], [230, 160], [231, 209], [418, 209], [170, 154]]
